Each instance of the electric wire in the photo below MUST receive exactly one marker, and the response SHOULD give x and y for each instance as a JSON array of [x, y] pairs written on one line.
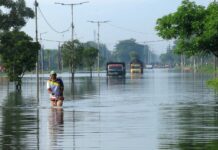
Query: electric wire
[[154, 41], [115, 26], [43, 16], [48, 40], [133, 31], [126, 29]]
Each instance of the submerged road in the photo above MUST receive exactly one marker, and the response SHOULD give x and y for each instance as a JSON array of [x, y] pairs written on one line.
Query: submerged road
[[161, 109]]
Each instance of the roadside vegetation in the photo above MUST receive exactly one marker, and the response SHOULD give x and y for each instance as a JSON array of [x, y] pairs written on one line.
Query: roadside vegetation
[[213, 83], [17, 49], [194, 29]]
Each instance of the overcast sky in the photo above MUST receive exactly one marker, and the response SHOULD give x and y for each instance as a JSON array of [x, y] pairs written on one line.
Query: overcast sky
[[128, 19]]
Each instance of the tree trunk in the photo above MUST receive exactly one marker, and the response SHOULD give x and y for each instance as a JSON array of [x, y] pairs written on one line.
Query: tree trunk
[[90, 69], [215, 62], [72, 76], [72, 70], [18, 84]]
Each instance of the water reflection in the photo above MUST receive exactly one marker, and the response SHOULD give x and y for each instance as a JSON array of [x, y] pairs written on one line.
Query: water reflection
[[80, 88], [56, 126], [189, 126], [136, 75], [115, 80], [18, 124]]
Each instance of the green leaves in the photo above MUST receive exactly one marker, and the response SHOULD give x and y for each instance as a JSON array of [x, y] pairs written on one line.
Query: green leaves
[[166, 27], [126, 48], [17, 14], [90, 55], [193, 26], [19, 54], [72, 54]]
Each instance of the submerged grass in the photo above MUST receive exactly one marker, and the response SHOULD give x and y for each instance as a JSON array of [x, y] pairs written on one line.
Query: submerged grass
[[208, 69], [213, 83]]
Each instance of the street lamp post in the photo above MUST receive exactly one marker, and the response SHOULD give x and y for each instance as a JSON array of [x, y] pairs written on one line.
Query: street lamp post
[[98, 23], [42, 53], [37, 62], [72, 5]]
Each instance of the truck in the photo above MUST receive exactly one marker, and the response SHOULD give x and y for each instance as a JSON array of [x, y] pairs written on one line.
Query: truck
[[116, 69], [136, 66]]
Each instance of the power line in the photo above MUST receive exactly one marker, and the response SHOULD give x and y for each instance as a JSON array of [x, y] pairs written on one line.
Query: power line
[[154, 41], [43, 16], [56, 41], [72, 5], [126, 29]]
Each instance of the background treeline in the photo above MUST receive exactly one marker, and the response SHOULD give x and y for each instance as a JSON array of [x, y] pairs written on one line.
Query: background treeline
[[124, 51]]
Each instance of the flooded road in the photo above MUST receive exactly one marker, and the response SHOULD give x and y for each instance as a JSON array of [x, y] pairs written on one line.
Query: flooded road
[[159, 110]]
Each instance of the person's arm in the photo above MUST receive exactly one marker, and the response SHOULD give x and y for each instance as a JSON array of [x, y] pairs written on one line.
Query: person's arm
[[48, 88]]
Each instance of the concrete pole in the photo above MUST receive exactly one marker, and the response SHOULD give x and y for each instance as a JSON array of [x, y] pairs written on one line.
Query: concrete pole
[[37, 62], [72, 5], [72, 36], [98, 23]]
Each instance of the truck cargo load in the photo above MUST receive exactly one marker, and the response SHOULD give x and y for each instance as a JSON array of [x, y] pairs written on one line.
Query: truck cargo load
[[136, 66]]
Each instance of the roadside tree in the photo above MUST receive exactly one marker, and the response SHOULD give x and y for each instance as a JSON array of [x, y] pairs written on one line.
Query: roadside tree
[[72, 52], [18, 51], [19, 55], [193, 26], [90, 55], [125, 49]]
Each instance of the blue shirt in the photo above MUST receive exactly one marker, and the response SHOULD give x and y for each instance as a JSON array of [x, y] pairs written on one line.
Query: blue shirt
[[56, 86]]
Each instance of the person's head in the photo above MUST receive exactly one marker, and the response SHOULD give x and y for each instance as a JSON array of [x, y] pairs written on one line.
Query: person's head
[[53, 75]]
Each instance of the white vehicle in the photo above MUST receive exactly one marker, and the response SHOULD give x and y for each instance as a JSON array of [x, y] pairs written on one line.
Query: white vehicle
[[149, 66]]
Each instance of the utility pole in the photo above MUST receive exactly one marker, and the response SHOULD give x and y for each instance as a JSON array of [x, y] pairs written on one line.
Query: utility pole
[[37, 62], [72, 36], [98, 23], [37, 70], [60, 63], [42, 53], [72, 5]]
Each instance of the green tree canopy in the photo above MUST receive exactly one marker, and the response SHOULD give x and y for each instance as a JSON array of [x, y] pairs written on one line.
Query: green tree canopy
[[19, 54], [193, 26], [90, 55], [133, 55], [13, 14], [104, 53], [208, 41], [125, 49], [72, 52]]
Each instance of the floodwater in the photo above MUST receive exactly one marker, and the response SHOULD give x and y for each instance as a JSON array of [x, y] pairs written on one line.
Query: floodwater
[[161, 109]]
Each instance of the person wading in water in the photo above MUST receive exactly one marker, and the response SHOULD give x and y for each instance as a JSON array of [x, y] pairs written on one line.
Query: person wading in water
[[55, 87]]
